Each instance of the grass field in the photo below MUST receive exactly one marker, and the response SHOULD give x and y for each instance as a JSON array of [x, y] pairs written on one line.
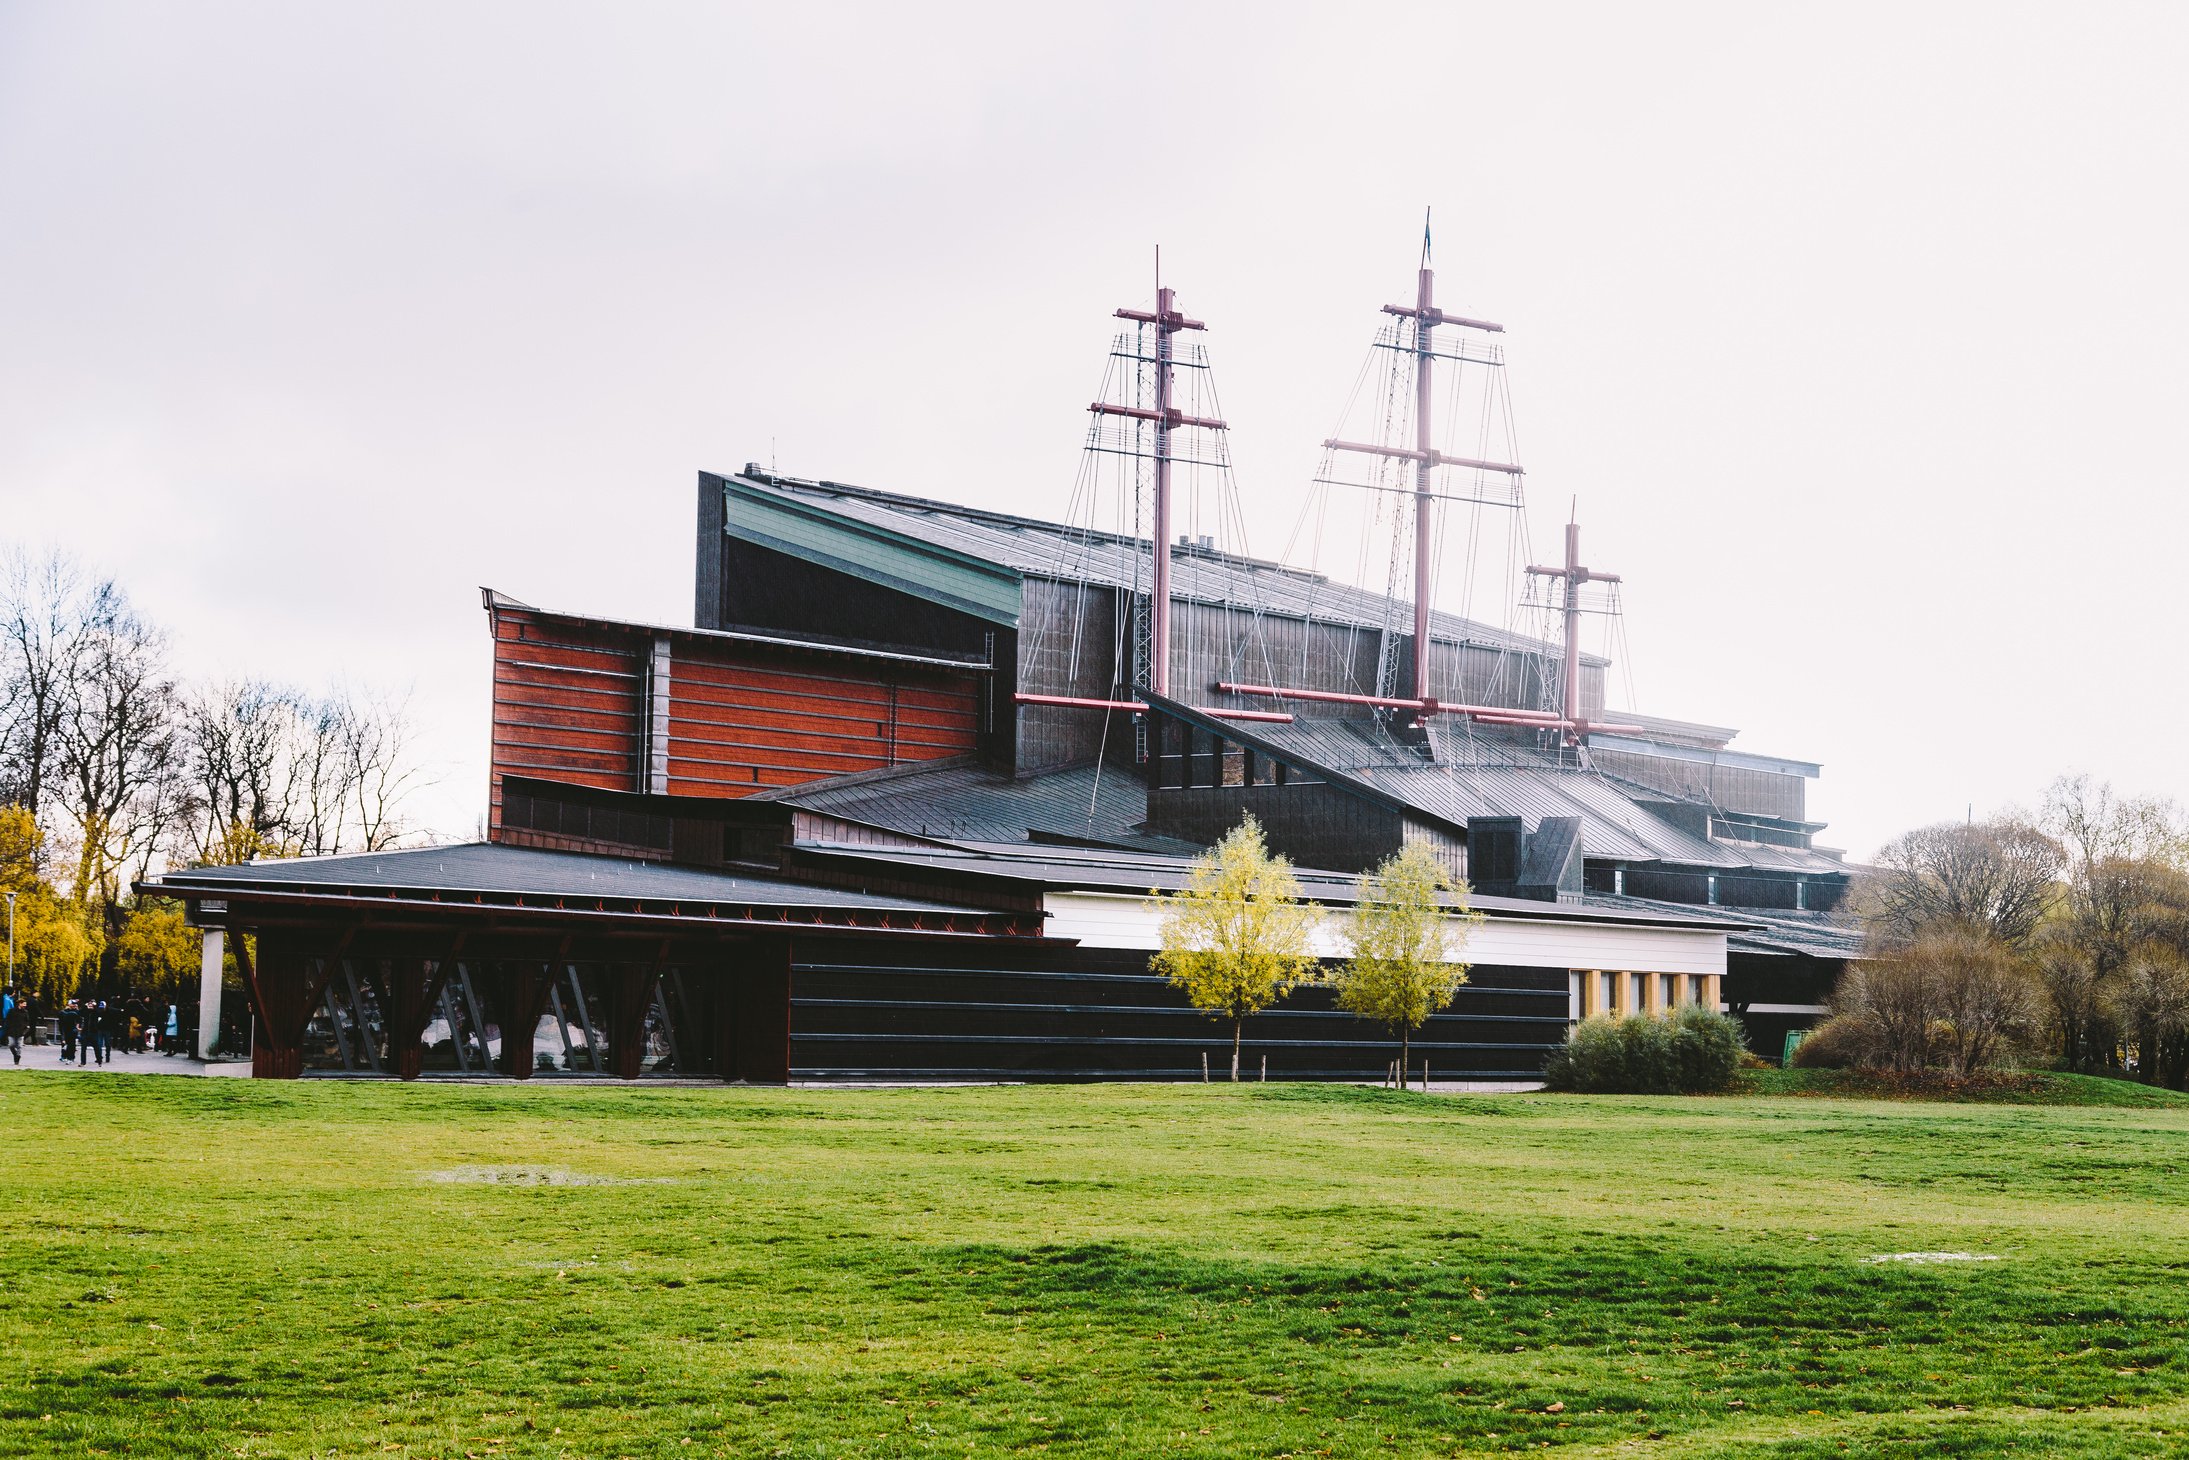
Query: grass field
[[215, 1267]]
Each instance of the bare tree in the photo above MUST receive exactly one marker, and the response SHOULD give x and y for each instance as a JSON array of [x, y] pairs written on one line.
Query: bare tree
[[1987, 1002], [326, 775], [2082, 1027], [1890, 1003], [2151, 1002], [117, 739], [241, 741], [40, 602], [2124, 860], [383, 770], [1997, 877]]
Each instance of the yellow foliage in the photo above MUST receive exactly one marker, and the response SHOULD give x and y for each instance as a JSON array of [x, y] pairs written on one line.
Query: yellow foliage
[[56, 942], [1403, 937], [157, 949], [1236, 937]]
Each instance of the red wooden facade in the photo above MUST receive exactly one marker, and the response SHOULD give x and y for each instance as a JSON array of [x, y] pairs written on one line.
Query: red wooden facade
[[633, 707]]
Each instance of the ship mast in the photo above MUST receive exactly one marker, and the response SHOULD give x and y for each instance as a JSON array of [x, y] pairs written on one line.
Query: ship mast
[[1573, 724], [1165, 417], [1424, 348]]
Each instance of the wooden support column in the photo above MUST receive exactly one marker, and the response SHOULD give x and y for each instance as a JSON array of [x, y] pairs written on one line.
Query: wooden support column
[[406, 1016], [259, 974], [413, 998], [722, 1008], [524, 998], [629, 992], [1592, 992], [761, 991], [633, 996], [1712, 997]]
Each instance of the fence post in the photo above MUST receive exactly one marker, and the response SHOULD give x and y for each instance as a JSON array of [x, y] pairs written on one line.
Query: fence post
[[1204, 1067]]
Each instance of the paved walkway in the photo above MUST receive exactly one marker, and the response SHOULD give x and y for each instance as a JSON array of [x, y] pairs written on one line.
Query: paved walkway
[[48, 1057]]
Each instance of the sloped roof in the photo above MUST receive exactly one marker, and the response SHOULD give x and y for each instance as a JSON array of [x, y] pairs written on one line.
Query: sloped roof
[[1137, 874], [1035, 548], [493, 868], [1492, 774], [1828, 935], [964, 801]]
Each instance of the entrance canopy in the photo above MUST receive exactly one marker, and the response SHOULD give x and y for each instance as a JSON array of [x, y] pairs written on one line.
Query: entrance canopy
[[484, 957]]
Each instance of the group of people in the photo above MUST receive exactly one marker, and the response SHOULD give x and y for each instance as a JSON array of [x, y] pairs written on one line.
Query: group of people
[[91, 1029]]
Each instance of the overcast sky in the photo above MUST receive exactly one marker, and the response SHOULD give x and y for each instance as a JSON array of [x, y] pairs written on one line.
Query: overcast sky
[[1861, 334]]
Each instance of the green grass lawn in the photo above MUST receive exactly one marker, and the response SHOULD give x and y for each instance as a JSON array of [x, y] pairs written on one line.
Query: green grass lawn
[[215, 1267]]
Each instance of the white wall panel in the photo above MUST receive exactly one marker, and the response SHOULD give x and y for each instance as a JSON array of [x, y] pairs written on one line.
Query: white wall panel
[[1113, 920]]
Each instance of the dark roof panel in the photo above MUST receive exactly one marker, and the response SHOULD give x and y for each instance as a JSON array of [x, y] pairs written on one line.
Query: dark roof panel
[[485, 867], [1034, 548]]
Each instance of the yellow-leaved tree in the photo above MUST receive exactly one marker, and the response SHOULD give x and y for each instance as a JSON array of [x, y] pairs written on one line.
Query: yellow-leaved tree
[[157, 950], [56, 941], [1406, 931], [1237, 936]]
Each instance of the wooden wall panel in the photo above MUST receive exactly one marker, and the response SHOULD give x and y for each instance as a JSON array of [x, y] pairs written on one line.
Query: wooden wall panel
[[566, 703], [742, 717]]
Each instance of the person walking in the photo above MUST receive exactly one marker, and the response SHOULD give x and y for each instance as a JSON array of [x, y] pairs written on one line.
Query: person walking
[[173, 1039], [13, 1025], [99, 1024], [72, 1022]]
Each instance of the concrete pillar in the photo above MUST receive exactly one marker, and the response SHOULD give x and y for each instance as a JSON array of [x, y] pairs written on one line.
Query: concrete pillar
[[209, 961]]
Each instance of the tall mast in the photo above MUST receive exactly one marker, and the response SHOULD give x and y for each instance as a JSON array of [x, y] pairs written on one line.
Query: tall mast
[[1166, 418], [1425, 443], [1424, 454]]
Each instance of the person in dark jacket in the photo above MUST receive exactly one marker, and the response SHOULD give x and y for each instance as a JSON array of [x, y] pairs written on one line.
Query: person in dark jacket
[[98, 1026], [14, 1026], [72, 1019]]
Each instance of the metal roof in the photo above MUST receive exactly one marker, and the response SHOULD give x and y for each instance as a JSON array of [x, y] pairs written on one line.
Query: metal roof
[[780, 511], [967, 801], [497, 601], [491, 869], [1138, 874], [1490, 774], [1828, 935]]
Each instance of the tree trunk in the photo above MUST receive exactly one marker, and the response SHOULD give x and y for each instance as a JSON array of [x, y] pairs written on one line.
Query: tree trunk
[[1235, 1023]]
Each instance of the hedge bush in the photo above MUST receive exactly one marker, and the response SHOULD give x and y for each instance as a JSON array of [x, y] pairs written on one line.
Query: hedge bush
[[1694, 1052]]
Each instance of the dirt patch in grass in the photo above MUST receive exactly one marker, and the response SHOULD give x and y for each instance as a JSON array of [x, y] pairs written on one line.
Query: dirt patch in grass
[[535, 1176]]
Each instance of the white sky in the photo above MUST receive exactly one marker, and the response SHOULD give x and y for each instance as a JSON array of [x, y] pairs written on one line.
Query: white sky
[[1860, 332]]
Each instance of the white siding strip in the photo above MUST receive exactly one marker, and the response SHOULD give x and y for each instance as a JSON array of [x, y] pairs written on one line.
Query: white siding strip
[[1118, 920]]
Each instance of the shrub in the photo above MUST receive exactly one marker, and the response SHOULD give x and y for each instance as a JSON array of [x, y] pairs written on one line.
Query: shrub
[[1839, 1043], [1705, 1048], [1694, 1052], [1952, 998]]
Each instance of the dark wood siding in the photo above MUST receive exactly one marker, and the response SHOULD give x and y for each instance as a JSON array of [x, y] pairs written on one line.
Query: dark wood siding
[[865, 1011]]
